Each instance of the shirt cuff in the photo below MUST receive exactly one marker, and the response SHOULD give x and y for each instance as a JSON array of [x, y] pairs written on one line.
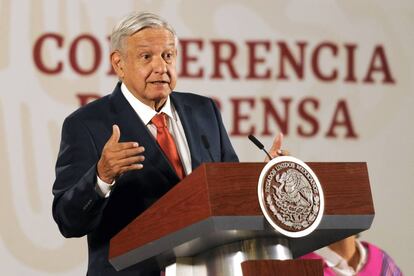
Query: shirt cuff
[[103, 188]]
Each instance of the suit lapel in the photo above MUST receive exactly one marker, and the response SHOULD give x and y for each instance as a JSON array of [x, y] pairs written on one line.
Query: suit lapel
[[192, 133], [133, 129]]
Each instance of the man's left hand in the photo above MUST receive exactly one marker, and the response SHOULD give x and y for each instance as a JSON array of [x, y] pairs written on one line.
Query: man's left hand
[[276, 149]]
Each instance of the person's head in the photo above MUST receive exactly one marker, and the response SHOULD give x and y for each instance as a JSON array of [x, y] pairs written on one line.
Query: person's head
[[143, 54]]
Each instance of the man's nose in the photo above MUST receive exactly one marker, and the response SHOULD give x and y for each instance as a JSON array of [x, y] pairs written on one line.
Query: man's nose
[[159, 65]]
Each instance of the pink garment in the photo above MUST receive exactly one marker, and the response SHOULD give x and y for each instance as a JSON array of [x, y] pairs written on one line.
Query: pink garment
[[378, 263]]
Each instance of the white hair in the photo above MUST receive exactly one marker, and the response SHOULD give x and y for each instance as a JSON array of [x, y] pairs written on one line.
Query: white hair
[[136, 22]]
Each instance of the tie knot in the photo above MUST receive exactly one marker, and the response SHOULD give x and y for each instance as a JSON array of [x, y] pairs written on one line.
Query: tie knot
[[159, 120]]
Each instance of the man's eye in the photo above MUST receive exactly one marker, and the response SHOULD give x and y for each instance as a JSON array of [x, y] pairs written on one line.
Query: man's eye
[[146, 56], [168, 55]]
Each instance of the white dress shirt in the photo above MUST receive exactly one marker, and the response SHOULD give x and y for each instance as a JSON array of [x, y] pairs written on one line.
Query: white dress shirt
[[175, 127], [338, 264]]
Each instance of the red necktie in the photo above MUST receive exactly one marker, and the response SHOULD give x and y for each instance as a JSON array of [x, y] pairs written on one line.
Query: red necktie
[[167, 144]]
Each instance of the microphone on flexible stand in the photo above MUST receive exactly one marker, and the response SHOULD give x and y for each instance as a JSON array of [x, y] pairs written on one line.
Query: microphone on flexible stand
[[206, 145], [259, 145]]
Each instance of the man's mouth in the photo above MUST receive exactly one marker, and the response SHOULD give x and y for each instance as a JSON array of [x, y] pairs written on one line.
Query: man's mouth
[[159, 82]]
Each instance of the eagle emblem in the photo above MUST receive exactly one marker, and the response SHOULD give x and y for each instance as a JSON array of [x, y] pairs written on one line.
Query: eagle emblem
[[290, 196]]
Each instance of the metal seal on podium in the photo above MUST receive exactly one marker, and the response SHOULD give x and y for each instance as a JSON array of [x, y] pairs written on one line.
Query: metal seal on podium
[[290, 196]]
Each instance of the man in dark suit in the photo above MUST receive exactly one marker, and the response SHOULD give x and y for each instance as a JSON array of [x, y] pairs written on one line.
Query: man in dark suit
[[111, 164]]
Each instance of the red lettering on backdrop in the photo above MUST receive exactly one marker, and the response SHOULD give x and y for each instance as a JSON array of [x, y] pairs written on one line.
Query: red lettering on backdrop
[[316, 59], [238, 117], [253, 60], [306, 110], [269, 110], [224, 53], [306, 115], [383, 67], [86, 98], [186, 58], [73, 54], [219, 59], [298, 65], [37, 53], [341, 109], [350, 56]]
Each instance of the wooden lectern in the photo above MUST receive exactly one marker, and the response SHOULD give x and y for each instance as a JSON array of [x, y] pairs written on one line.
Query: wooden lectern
[[213, 217]]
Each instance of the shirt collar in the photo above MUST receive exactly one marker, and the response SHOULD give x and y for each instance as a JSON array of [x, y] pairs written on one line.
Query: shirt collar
[[144, 111], [333, 259], [362, 255]]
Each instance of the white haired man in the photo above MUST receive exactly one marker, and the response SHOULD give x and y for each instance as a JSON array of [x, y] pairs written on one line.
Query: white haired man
[[116, 157]]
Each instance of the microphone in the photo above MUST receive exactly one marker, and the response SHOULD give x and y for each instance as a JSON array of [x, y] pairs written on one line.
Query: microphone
[[206, 145], [259, 145]]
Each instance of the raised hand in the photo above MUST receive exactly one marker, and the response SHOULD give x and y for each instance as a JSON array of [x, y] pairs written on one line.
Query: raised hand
[[118, 158], [276, 149]]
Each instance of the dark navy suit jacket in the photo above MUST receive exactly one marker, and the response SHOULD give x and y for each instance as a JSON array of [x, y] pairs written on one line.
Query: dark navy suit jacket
[[79, 210]]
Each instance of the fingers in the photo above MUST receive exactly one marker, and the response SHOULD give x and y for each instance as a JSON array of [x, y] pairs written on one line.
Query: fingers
[[276, 150], [114, 163], [281, 152], [127, 152], [277, 142], [124, 146], [133, 160], [130, 167], [116, 134], [118, 167], [118, 158]]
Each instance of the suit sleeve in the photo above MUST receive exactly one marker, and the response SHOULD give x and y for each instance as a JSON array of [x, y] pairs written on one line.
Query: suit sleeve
[[227, 152], [77, 207]]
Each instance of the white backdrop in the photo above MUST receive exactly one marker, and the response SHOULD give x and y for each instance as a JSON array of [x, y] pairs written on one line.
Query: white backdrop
[[338, 75]]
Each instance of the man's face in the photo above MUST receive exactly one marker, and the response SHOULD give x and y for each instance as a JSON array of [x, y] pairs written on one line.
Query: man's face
[[146, 65]]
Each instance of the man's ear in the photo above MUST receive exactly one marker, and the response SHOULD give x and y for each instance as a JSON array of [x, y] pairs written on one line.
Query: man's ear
[[117, 63]]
